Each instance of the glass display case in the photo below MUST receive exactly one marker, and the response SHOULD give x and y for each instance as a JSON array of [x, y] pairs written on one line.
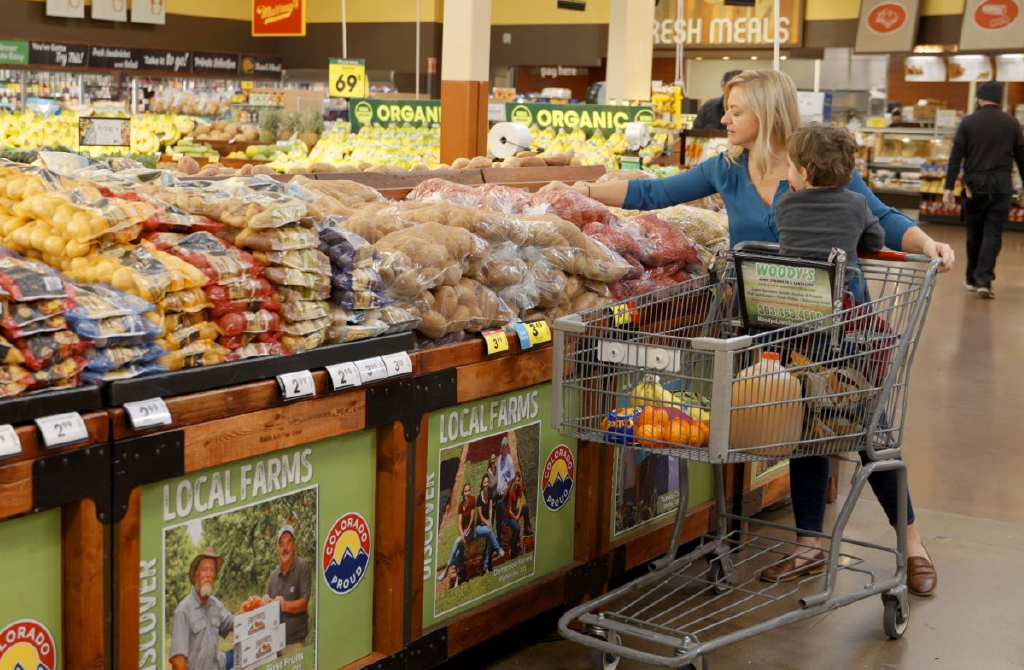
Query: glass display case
[[906, 166]]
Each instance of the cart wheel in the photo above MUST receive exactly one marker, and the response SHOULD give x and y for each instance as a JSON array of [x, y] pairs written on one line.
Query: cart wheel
[[895, 619], [700, 664], [718, 576], [602, 660]]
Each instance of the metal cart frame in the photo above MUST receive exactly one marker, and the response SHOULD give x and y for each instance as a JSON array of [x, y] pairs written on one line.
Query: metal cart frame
[[690, 606]]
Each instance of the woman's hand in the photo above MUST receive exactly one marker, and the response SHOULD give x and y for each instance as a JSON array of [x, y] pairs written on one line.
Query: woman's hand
[[560, 186], [933, 249]]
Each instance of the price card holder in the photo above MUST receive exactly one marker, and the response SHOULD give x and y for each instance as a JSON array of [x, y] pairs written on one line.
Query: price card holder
[[10, 443], [296, 385], [346, 78], [539, 332], [398, 364], [524, 335], [59, 430], [372, 369], [344, 375], [148, 413], [495, 341]]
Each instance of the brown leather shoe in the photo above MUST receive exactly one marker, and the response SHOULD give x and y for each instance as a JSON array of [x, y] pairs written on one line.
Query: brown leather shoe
[[786, 571], [921, 576]]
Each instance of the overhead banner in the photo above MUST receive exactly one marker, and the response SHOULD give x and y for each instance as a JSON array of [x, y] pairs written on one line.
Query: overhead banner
[[261, 67], [30, 611], [208, 63], [714, 24], [992, 24], [606, 118], [278, 18], [165, 61], [69, 9], [13, 52], [110, 10], [290, 538], [58, 54], [887, 26], [500, 501], [115, 58], [149, 11], [363, 112]]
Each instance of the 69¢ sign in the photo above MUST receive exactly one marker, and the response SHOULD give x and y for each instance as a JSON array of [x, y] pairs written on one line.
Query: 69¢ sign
[[346, 78]]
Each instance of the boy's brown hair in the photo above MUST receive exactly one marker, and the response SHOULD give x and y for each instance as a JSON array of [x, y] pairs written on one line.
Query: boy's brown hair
[[825, 151]]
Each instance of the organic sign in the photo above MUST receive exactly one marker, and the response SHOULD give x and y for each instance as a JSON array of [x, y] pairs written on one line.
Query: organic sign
[[295, 524], [500, 501], [363, 111], [705, 23], [278, 18], [606, 118], [346, 77], [887, 26], [30, 611], [13, 52], [992, 24]]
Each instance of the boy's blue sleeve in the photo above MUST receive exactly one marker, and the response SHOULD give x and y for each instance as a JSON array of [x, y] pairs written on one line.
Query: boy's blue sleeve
[[697, 182], [894, 222]]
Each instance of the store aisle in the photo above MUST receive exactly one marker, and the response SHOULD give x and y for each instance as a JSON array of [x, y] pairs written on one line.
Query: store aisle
[[965, 460]]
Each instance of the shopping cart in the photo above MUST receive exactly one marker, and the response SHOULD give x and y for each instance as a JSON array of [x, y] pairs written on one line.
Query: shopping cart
[[624, 376]]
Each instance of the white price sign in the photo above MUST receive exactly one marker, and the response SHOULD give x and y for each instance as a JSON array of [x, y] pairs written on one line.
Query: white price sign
[[295, 385], [148, 413], [61, 429], [344, 375], [372, 369], [10, 443], [398, 364]]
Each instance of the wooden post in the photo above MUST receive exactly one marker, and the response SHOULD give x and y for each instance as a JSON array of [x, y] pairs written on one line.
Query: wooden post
[[465, 79]]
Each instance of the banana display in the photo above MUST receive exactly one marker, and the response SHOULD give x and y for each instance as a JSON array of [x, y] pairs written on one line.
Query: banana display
[[597, 149], [404, 146], [150, 132]]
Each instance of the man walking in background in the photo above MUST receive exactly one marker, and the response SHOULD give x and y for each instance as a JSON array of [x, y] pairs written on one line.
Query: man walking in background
[[988, 142], [711, 112]]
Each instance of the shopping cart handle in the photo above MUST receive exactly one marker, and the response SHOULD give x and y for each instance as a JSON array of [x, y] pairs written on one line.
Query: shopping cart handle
[[764, 247], [884, 255]]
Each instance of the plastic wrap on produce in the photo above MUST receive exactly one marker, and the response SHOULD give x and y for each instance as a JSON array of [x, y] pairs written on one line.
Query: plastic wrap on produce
[[574, 207], [342, 192], [349, 327], [200, 353], [189, 300], [441, 189], [40, 351], [346, 249], [101, 301], [662, 243], [220, 262], [306, 260], [254, 288], [84, 214], [181, 338], [126, 330], [287, 238], [25, 281], [14, 380], [114, 358], [304, 310], [235, 205], [9, 354], [130, 371], [624, 175], [374, 224], [257, 350], [650, 280], [468, 305], [704, 226]]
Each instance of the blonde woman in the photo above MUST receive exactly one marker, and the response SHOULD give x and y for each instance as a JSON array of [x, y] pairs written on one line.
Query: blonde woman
[[760, 114]]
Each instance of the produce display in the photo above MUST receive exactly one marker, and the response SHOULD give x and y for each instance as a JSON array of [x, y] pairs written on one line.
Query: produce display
[[116, 273], [149, 132]]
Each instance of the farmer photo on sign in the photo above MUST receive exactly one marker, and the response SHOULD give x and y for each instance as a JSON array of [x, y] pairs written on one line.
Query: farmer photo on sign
[[485, 539]]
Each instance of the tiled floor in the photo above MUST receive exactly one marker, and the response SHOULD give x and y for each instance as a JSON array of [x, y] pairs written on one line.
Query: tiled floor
[[965, 453]]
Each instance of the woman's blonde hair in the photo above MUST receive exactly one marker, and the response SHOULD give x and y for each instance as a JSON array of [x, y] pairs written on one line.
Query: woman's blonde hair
[[772, 98]]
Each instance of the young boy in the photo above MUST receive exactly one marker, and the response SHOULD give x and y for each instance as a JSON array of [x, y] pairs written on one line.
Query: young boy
[[821, 214]]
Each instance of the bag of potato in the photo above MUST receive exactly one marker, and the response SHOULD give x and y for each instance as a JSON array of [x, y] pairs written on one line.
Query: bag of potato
[[345, 192], [426, 256], [84, 214], [117, 331], [574, 207], [373, 225], [19, 181], [14, 380], [662, 243], [287, 238], [441, 189], [509, 200], [257, 350], [105, 359], [238, 209], [346, 250], [63, 374], [494, 227], [305, 310], [129, 371], [467, 306], [41, 351], [222, 263], [144, 271], [359, 325], [578, 254], [27, 281], [305, 260], [197, 354]]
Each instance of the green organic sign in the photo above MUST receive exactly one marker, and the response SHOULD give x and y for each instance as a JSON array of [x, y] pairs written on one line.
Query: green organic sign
[[363, 111], [13, 52], [500, 501], [606, 118], [322, 495], [647, 489], [30, 611]]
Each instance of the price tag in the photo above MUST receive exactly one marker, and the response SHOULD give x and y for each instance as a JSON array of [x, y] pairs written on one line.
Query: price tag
[[524, 335], [398, 364], [148, 413], [346, 77], [344, 375], [623, 313], [372, 369], [539, 332], [295, 385], [61, 429], [495, 341], [10, 443]]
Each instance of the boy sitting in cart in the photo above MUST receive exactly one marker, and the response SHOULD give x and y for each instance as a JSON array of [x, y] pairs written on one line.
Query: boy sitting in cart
[[821, 213]]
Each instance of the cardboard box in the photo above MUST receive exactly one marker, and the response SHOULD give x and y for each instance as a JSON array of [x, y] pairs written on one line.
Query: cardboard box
[[259, 648], [258, 621]]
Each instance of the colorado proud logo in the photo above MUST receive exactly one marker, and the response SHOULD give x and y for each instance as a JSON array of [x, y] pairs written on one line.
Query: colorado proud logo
[[346, 553], [559, 472], [27, 644]]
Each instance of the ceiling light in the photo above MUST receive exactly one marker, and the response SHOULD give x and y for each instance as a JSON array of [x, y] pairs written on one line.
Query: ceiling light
[[725, 57], [753, 58], [699, 58], [783, 57]]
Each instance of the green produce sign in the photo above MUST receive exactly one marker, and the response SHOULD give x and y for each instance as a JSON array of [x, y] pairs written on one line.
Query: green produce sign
[[310, 508], [30, 611], [363, 111], [491, 528], [13, 52], [589, 118], [647, 489]]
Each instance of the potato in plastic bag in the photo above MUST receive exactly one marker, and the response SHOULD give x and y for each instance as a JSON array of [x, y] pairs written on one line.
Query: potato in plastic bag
[[178, 320], [101, 301], [285, 294], [84, 214], [304, 310], [257, 350], [236, 323], [234, 205], [296, 344], [9, 354], [130, 329], [468, 306], [291, 277], [224, 308], [64, 371], [344, 248], [103, 359], [43, 350], [307, 260], [48, 325], [25, 281], [14, 380], [375, 225], [200, 353], [250, 289], [189, 300], [302, 328], [220, 262], [181, 338], [130, 371], [441, 189], [344, 191], [276, 239]]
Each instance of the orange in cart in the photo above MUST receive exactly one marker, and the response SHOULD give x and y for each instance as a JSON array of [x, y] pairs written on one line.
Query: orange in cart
[[648, 435]]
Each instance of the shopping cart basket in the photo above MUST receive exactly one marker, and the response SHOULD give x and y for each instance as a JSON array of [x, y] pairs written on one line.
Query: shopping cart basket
[[682, 371]]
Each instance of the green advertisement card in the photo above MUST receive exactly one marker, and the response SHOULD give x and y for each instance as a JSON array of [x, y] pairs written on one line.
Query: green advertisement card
[[500, 501], [647, 489], [30, 609], [291, 559]]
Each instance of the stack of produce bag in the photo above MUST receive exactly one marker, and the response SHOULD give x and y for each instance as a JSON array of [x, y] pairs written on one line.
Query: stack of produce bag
[[38, 349], [124, 329]]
